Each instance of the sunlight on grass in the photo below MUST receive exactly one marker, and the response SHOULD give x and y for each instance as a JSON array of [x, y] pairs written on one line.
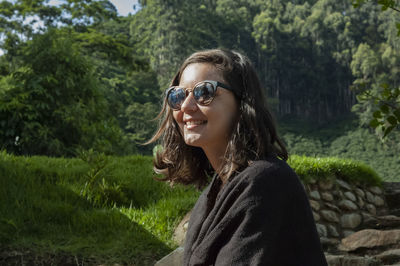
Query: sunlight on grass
[[110, 209], [42, 208], [329, 167]]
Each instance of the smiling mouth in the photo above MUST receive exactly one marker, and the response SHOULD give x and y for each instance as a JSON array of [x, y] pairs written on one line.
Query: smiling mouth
[[193, 124]]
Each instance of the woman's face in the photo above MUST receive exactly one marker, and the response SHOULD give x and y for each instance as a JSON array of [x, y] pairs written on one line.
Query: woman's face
[[210, 126]]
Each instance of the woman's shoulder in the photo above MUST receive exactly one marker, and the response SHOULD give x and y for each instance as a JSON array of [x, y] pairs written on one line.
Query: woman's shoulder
[[269, 173], [272, 166]]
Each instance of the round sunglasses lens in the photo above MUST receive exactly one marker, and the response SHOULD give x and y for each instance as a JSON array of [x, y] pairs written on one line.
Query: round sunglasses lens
[[176, 97], [204, 93]]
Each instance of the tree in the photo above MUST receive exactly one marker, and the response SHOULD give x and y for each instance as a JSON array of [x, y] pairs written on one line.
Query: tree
[[301, 63], [169, 31], [130, 85], [117, 74], [378, 75], [51, 104]]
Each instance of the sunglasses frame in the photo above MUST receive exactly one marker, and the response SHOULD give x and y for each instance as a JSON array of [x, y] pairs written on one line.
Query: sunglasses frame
[[214, 83]]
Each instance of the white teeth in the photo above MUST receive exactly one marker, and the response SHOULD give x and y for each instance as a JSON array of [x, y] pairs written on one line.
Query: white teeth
[[189, 123]]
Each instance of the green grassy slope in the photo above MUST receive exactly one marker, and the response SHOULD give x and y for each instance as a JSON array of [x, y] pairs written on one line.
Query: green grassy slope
[[346, 140], [315, 168], [109, 209], [42, 207]]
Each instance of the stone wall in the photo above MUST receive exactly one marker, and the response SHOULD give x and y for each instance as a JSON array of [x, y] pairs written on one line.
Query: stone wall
[[341, 208], [357, 224]]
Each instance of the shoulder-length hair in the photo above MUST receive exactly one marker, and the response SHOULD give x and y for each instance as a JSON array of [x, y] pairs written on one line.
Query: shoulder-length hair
[[253, 137]]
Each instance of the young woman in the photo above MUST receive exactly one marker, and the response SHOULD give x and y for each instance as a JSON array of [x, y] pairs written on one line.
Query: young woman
[[255, 211]]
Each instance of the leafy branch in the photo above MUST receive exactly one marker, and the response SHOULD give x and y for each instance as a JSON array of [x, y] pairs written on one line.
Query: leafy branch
[[387, 116]]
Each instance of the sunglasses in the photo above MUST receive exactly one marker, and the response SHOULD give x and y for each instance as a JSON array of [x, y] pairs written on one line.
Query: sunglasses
[[203, 93]]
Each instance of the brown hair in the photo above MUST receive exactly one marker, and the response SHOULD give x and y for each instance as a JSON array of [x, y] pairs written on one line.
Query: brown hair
[[253, 137]]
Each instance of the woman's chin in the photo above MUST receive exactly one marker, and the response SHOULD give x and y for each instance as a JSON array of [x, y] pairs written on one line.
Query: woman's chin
[[193, 140]]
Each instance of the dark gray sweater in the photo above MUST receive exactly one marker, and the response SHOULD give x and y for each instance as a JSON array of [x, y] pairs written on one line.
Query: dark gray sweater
[[261, 216]]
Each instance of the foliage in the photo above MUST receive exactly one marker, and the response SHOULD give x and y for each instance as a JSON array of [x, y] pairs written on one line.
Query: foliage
[[20, 20], [83, 57], [80, 13], [169, 31], [52, 104], [141, 123], [307, 54], [345, 139], [130, 86], [305, 67], [377, 72], [97, 189]]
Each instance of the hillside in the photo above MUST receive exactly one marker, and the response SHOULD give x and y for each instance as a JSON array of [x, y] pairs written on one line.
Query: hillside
[[99, 209], [344, 138]]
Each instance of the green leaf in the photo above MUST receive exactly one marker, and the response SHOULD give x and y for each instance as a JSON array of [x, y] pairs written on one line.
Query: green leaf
[[386, 93], [385, 109], [387, 131], [385, 85], [397, 114], [374, 123], [392, 120], [396, 93], [377, 114]]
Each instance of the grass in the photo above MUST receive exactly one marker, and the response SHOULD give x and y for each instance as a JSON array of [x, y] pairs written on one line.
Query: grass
[[344, 139], [109, 209], [309, 168], [42, 207]]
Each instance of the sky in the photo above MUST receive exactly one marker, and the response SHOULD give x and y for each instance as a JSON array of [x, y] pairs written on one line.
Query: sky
[[124, 7]]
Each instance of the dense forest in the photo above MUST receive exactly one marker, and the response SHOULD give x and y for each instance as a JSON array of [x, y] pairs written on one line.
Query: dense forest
[[78, 76]]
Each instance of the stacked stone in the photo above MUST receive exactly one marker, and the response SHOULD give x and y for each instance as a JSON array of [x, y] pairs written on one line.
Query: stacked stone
[[341, 208]]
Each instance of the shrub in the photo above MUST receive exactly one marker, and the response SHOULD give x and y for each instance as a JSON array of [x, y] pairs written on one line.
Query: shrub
[[309, 168]]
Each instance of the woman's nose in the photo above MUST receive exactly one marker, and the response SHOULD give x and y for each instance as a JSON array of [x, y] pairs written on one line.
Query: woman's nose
[[189, 104]]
